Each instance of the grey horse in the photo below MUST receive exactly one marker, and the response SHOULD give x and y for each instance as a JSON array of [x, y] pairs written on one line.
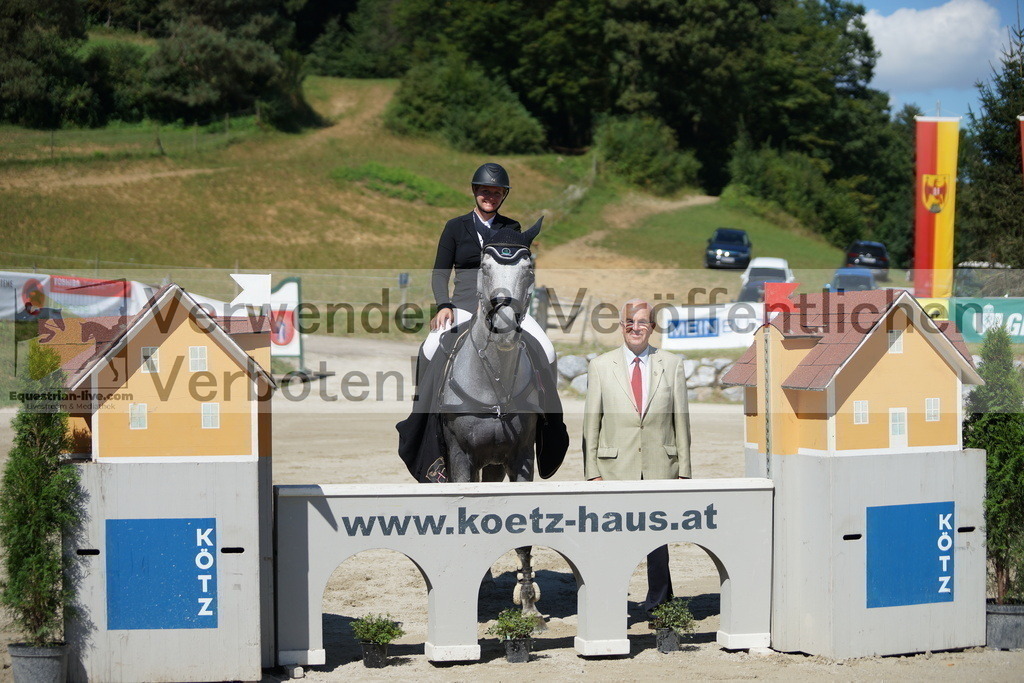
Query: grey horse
[[490, 396]]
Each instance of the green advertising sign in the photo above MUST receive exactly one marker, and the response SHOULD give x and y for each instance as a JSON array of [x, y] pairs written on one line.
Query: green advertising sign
[[974, 317]]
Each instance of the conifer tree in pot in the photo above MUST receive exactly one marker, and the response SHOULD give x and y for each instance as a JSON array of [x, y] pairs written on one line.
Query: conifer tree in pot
[[995, 422], [39, 503]]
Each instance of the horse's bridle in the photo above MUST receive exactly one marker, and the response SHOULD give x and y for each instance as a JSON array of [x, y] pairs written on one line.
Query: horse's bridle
[[506, 255]]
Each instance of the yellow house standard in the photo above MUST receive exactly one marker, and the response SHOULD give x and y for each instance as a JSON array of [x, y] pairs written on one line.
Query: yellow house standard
[[170, 384], [865, 372]]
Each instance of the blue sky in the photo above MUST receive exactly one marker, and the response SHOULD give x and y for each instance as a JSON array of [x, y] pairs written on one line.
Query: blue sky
[[935, 50]]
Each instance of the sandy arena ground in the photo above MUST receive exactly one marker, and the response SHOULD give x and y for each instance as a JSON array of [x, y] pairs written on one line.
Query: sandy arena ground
[[323, 441]]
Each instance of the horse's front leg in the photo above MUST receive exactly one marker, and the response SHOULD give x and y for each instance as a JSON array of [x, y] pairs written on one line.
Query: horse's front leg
[[527, 592]]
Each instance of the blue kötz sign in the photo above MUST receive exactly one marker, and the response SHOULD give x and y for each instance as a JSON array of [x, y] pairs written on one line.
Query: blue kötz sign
[[161, 573], [910, 554], [681, 329]]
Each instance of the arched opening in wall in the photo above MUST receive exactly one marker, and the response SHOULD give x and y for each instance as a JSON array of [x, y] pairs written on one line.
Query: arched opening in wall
[[695, 577], [373, 582], [557, 580]]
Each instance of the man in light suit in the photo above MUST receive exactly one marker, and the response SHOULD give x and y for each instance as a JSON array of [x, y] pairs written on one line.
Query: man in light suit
[[636, 423]]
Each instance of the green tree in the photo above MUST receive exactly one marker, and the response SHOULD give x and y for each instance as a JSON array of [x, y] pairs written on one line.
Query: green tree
[[134, 15], [224, 56], [643, 151], [895, 217], [690, 64], [551, 53], [455, 100], [991, 202], [42, 83], [38, 503], [995, 422], [117, 74], [562, 71], [374, 47], [325, 55]]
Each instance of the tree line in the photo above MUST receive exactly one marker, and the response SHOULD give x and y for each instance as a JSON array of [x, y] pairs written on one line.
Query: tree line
[[767, 100]]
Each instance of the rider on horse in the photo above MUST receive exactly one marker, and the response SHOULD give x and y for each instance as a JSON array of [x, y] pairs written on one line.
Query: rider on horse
[[460, 248]]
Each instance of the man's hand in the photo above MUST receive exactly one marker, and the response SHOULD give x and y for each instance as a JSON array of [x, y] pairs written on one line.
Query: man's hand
[[443, 319]]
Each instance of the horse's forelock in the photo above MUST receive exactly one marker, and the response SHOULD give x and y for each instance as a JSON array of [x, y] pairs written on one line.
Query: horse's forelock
[[508, 236]]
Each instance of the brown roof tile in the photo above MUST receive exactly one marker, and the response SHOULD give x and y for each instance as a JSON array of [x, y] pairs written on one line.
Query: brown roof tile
[[948, 328], [243, 324], [742, 371], [801, 377], [108, 331]]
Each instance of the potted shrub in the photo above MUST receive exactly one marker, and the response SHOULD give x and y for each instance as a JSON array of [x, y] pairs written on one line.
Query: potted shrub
[[995, 422], [39, 504], [514, 628], [374, 632], [671, 620]]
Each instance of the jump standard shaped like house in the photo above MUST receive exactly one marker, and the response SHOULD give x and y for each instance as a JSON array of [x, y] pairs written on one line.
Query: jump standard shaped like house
[[170, 416], [853, 408], [864, 372]]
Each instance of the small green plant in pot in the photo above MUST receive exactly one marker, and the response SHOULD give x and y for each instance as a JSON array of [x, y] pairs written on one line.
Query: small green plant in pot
[[374, 632], [514, 628], [671, 620], [39, 504]]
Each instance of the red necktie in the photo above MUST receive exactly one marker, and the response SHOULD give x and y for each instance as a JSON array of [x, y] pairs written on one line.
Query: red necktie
[[638, 386]]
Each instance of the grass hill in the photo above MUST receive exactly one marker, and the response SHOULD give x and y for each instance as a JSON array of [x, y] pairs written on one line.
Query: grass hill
[[350, 195]]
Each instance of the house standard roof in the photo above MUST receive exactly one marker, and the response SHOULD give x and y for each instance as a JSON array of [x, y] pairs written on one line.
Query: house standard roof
[[840, 323], [112, 333]]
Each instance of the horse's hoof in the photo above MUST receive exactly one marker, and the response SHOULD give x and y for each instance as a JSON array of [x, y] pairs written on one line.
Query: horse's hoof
[[517, 594]]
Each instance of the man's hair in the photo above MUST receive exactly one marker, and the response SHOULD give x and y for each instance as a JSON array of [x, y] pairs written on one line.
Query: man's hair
[[632, 306]]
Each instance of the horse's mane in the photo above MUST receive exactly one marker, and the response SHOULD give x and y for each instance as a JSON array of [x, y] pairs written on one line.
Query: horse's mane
[[508, 236]]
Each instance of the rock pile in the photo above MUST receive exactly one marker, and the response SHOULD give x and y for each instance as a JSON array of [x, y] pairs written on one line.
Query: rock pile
[[703, 377]]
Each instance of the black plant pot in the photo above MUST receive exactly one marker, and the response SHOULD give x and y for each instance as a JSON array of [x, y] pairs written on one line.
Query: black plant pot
[[375, 655], [1004, 626], [667, 639], [517, 650]]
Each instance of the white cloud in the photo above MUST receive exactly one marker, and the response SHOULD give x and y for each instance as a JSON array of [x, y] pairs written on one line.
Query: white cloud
[[949, 46]]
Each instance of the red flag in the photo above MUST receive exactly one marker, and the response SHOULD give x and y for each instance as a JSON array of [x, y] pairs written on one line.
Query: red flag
[[776, 297], [1020, 120]]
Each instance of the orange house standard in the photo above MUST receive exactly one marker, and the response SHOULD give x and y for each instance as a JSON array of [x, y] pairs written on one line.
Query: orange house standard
[[865, 372], [170, 384]]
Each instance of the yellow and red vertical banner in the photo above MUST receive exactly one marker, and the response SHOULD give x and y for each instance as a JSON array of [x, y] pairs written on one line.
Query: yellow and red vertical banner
[[935, 202]]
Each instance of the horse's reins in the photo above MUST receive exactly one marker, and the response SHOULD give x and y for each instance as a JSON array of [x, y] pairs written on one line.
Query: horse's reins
[[505, 254]]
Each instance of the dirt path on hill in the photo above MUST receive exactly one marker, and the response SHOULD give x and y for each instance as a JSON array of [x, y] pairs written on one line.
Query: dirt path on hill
[[51, 179], [585, 253], [606, 276], [351, 111]]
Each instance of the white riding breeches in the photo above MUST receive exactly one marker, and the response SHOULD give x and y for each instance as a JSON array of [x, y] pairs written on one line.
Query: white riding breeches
[[528, 325]]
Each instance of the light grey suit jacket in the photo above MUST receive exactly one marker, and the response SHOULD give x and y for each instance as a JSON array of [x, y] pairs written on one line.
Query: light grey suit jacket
[[620, 443]]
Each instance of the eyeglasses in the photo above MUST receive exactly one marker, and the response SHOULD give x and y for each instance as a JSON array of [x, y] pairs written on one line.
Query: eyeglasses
[[636, 324]]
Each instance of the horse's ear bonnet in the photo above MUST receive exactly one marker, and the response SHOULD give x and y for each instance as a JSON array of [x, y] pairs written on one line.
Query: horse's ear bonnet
[[509, 246]]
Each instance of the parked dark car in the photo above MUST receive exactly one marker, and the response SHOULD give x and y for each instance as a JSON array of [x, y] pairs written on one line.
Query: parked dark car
[[753, 291], [852, 279], [728, 248], [871, 255]]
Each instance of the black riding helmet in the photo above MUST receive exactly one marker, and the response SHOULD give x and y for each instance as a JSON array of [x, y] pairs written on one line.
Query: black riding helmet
[[493, 175]]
